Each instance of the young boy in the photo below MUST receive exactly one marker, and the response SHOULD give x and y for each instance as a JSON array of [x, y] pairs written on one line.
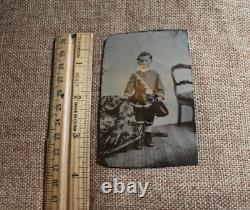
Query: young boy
[[143, 87]]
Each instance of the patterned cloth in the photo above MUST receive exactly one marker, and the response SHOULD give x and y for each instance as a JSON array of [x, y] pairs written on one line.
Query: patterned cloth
[[118, 127]]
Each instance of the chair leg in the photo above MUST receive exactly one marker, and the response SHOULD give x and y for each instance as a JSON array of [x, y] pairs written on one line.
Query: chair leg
[[179, 115]]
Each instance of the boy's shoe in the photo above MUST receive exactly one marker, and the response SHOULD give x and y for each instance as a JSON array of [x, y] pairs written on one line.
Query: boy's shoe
[[138, 144], [148, 139]]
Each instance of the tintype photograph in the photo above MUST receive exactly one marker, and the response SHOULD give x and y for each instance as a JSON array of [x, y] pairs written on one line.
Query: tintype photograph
[[147, 110]]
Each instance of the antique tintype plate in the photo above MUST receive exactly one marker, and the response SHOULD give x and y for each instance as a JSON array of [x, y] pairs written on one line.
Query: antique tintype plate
[[147, 116]]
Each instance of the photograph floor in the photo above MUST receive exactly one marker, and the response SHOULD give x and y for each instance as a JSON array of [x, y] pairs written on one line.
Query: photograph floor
[[177, 148]]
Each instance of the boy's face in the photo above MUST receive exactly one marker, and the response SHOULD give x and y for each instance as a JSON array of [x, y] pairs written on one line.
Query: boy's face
[[144, 62]]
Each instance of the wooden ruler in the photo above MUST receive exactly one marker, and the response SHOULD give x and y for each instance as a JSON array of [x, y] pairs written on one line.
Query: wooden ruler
[[67, 184]]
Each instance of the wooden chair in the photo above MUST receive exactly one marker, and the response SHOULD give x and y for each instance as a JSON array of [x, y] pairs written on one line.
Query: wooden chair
[[186, 98]]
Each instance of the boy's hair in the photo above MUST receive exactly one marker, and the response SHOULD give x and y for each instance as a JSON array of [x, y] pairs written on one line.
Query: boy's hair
[[144, 54]]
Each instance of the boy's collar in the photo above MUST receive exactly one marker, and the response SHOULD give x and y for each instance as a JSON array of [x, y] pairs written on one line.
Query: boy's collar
[[143, 71]]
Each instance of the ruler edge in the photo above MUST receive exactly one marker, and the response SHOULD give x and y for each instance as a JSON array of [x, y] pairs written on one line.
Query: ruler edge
[[50, 102]]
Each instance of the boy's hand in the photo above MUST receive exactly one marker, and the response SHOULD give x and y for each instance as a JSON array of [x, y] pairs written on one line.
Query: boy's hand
[[159, 98]]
